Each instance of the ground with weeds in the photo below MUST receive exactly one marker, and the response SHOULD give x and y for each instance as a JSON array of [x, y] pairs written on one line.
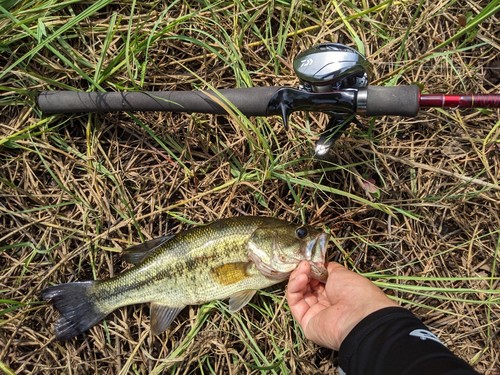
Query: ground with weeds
[[411, 203]]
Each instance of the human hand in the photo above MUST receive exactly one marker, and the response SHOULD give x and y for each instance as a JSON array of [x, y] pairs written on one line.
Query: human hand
[[328, 312]]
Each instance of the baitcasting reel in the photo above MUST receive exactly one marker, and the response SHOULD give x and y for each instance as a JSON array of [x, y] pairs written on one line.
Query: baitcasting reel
[[330, 67]]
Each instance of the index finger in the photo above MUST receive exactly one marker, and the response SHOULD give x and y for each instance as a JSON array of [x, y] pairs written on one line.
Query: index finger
[[296, 291]]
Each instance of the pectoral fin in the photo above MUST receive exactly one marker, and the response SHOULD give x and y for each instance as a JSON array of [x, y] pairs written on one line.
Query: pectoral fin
[[162, 316], [240, 299], [231, 273], [137, 253]]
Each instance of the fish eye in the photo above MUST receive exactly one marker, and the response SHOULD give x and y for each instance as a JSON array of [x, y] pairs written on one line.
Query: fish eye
[[301, 232]]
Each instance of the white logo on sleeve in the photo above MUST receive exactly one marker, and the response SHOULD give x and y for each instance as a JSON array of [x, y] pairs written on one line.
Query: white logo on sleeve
[[423, 335]]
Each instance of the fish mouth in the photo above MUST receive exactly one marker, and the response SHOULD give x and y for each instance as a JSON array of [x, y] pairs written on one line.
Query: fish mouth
[[321, 243], [317, 246], [317, 257]]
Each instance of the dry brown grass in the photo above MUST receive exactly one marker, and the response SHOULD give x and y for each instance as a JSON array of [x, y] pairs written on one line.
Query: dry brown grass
[[75, 190]]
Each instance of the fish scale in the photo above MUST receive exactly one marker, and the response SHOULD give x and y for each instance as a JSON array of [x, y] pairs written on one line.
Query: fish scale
[[139, 285], [229, 258]]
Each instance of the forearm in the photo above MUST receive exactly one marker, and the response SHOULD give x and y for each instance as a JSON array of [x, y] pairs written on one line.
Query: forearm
[[394, 341]]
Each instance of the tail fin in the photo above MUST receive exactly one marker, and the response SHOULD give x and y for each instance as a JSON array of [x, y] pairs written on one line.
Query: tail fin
[[79, 312]]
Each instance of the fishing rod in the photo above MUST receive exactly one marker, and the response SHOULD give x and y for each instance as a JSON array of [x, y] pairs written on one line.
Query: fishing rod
[[333, 79]]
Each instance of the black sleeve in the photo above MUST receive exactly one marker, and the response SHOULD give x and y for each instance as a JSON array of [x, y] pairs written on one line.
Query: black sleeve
[[394, 341]]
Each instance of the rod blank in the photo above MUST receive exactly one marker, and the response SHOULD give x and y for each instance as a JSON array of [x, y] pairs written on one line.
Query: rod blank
[[460, 101]]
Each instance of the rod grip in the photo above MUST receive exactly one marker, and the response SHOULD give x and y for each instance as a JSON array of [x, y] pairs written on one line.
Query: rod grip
[[392, 100], [251, 101]]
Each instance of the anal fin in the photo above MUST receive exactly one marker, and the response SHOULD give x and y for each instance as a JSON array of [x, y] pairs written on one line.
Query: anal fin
[[240, 299], [162, 316]]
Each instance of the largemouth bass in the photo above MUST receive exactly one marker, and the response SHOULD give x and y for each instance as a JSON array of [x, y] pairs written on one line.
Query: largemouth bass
[[229, 258]]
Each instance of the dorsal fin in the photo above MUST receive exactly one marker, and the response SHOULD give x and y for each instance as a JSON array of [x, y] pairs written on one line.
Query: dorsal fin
[[137, 253]]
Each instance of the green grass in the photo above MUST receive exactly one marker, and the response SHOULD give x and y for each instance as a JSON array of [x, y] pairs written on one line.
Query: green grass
[[76, 189]]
